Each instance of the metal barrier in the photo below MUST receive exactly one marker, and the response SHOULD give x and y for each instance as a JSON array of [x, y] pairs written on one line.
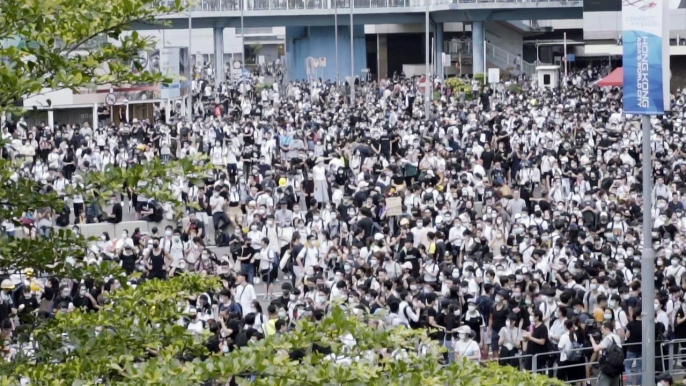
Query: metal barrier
[[670, 357], [273, 5]]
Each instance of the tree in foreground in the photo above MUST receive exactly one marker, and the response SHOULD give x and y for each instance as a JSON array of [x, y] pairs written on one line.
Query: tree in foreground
[[136, 340]]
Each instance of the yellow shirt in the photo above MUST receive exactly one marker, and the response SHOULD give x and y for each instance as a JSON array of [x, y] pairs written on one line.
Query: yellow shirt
[[270, 327], [599, 315]]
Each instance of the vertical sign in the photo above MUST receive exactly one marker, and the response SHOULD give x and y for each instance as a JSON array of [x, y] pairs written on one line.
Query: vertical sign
[[645, 38], [169, 66]]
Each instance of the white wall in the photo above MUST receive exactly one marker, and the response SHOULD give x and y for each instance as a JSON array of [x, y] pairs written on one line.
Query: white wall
[[203, 39], [502, 37], [393, 28]]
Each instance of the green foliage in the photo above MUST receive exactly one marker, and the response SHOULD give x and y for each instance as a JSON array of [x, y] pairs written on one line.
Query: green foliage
[[458, 85], [63, 253], [515, 88], [141, 343], [55, 33], [481, 78]]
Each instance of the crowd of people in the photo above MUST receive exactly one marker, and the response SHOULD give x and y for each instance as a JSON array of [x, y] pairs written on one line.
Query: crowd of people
[[508, 224]]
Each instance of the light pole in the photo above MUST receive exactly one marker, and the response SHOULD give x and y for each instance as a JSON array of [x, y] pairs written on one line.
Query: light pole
[[243, 2], [352, 55], [427, 84], [647, 262], [190, 62], [335, 26]]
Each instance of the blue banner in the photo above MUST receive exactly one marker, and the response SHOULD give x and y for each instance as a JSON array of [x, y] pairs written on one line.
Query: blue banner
[[646, 56]]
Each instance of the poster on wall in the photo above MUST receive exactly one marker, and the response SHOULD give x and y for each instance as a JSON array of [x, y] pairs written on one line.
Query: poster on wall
[[646, 56], [616, 5]]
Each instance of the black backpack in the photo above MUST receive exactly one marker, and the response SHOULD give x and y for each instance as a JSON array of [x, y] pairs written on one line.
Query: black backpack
[[63, 217], [612, 361]]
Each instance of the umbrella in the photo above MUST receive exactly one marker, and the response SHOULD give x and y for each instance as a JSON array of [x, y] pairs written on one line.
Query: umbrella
[[615, 78]]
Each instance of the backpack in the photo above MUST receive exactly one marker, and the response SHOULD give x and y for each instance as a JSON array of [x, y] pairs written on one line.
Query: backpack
[[63, 217], [576, 354], [236, 307], [277, 259], [612, 361]]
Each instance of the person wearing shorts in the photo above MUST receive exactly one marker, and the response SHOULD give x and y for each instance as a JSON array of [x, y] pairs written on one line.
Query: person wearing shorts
[[268, 266]]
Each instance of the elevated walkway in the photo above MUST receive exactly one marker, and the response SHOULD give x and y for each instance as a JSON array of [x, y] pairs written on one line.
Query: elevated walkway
[[264, 13]]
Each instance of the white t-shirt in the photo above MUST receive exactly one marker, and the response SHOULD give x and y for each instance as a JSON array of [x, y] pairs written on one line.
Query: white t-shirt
[[466, 349]]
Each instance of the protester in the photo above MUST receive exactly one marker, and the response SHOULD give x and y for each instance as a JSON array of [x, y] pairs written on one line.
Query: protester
[[510, 223]]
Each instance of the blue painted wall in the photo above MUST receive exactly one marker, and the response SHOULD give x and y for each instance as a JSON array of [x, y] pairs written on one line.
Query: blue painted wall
[[304, 42]]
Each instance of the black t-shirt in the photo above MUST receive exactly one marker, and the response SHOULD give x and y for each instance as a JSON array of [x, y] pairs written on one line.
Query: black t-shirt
[[500, 316], [385, 141], [488, 157], [117, 212], [448, 321], [198, 226], [540, 332], [635, 336]]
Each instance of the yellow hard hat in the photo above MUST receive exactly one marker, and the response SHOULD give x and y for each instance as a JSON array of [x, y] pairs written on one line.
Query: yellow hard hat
[[28, 271], [283, 181], [7, 284]]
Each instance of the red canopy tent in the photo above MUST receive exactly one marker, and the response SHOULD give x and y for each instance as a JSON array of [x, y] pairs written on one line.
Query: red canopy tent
[[615, 78]]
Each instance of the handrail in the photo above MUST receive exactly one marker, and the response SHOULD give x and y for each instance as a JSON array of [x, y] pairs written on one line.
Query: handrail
[[534, 364], [273, 5], [508, 59]]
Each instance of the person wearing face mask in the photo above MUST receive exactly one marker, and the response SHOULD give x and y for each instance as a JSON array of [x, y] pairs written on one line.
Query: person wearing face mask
[[406, 311], [158, 262], [195, 324], [465, 346], [610, 356], [473, 318], [219, 217], [548, 306], [675, 269], [84, 300], [619, 314], [536, 340], [498, 318], [510, 342]]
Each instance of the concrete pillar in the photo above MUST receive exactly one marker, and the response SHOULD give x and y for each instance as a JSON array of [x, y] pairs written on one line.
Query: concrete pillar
[[479, 56], [95, 116], [383, 56], [219, 56], [438, 49], [167, 111], [51, 119]]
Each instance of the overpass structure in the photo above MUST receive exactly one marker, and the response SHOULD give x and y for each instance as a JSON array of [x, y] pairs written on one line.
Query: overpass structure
[[310, 30]]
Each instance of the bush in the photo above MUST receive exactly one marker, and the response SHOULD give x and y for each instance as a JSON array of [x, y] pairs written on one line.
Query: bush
[[482, 78], [458, 85], [515, 88]]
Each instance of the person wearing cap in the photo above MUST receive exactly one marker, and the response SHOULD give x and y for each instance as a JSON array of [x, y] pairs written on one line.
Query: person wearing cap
[[465, 346], [7, 304]]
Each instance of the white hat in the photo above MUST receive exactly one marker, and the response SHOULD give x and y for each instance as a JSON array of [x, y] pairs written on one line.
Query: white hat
[[407, 265]]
